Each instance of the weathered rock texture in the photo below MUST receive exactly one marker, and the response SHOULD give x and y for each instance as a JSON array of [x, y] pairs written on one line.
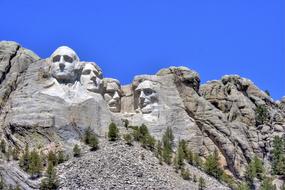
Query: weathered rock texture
[[217, 115]]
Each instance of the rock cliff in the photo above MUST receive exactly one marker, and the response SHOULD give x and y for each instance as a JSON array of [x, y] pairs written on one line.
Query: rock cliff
[[48, 103]]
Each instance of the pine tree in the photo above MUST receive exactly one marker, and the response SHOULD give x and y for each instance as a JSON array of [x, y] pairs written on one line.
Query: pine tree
[[190, 157], [94, 142], [2, 184], [185, 174], [254, 170], [158, 149], [24, 160], [126, 123], [167, 140], [197, 161], [87, 135], [243, 186], [212, 166], [61, 157], [258, 167], [35, 164], [202, 183], [261, 114], [17, 187], [3, 146], [278, 162], [52, 158], [15, 154], [9, 153], [267, 185], [129, 139], [113, 133], [51, 180], [180, 155], [76, 151]]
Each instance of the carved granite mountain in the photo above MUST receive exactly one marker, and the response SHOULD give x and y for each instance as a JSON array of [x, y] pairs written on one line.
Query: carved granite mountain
[[48, 103]]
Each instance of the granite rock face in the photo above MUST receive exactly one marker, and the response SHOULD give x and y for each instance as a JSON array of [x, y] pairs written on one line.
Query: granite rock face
[[40, 109]]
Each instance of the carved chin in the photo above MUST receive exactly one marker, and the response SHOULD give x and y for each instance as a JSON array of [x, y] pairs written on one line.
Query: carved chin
[[114, 106], [93, 88], [63, 76], [147, 109]]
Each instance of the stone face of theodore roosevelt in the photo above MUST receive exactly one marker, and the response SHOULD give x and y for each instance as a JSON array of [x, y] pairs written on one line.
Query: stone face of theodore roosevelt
[[112, 94]]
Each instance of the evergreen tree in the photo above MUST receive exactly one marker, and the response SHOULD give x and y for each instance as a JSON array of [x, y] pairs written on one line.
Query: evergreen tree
[[158, 152], [52, 157], [9, 153], [243, 186], [185, 174], [278, 163], [254, 170], [61, 157], [267, 185], [197, 161], [261, 114], [51, 180], [258, 167], [87, 135], [76, 151], [183, 145], [24, 160], [126, 123], [129, 139], [180, 154], [35, 164], [190, 157], [94, 142], [113, 133], [15, 154], [267, 92], [158, 149], [167, 140], [149, 141], [17, 187], [212, 166], [202, 183], [136, 134], [3, 146], [2, 184]]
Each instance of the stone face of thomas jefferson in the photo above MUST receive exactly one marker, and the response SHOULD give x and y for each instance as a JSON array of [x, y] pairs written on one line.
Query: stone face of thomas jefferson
[[112, 94], [91, 78], [63, 63]]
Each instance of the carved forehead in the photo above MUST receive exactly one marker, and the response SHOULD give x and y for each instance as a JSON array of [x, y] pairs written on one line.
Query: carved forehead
[[147, 85], [64, 50], [91, 66], [112, 84]]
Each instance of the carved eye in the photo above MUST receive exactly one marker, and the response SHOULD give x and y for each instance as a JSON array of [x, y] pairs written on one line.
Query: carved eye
[[56, 58], [68, 58], [111, 93], [147, 91], [86, 72]]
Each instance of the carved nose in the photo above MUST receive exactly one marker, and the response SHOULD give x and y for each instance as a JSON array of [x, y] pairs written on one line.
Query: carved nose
[[92, 76], [116, 96], [142, 96], [61, 65]]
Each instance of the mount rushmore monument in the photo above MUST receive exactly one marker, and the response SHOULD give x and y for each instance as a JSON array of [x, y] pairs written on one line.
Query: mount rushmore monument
[[50, 102]]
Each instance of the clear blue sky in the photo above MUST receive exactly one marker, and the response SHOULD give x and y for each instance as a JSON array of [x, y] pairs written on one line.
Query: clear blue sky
[[131, 37]]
